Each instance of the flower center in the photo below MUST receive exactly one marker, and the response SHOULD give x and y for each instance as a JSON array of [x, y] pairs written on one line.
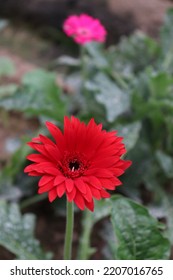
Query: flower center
[[73, 164], [83, 31]]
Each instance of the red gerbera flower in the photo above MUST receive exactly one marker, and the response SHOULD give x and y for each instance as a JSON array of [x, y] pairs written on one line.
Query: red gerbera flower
[[83, 162]]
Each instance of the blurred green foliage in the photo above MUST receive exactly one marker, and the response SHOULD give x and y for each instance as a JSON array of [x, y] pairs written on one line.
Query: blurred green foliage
[[17, 233]]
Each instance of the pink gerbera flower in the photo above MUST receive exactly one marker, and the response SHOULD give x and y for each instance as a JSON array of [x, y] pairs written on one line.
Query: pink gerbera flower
[[83, 162], [84, 29]]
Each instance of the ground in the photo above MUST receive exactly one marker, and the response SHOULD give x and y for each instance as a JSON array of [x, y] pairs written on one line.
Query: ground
[[147, 14]]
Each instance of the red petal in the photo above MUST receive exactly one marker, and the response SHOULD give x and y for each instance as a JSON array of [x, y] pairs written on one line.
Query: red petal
[[116, 181], [34, 173], [30, 168], [79, 200], [69, 134], [117, 171], [99, 172], [36, 158], [44, 180], [53, 152], [105, 162], [56, 133], [110, 153], [111, 183], [58, 180], [95, 193], [46, 140], [46, 187], [69, 185], [39, 148], [39, 167], [80, 132], [71, 195], [90, 205], [126, 164], [60, 189], [52, 195], [79, 183], [53, 171], [36, 139], [88, 196], [104, 194], [94, 182], [108, 184]]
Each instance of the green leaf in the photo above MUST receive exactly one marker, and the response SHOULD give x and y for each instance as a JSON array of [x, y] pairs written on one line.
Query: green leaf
[[17, 233], [39, 95], [8, 90], [97, 55], [6, 67], [40, 80], [102, 210], [133, 54], [13, 189], [25, 101], [67, 60], [166, 41], [166, 163], [137, 232], [143, 171], [130, 132], [160, 85], [17, 160], [166, 34], [163, 209], [152, 96], [115, 100], [167, 202]]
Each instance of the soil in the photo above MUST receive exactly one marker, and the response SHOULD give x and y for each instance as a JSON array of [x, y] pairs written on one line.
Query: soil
[[28, 51], [51, 232], [148, 15]]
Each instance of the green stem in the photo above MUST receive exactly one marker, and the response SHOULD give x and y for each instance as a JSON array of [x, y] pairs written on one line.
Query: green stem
[[83, 68], [82, 57], [84, 250], [32, 200], [117, 77], [69, 231], [168, 59]]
